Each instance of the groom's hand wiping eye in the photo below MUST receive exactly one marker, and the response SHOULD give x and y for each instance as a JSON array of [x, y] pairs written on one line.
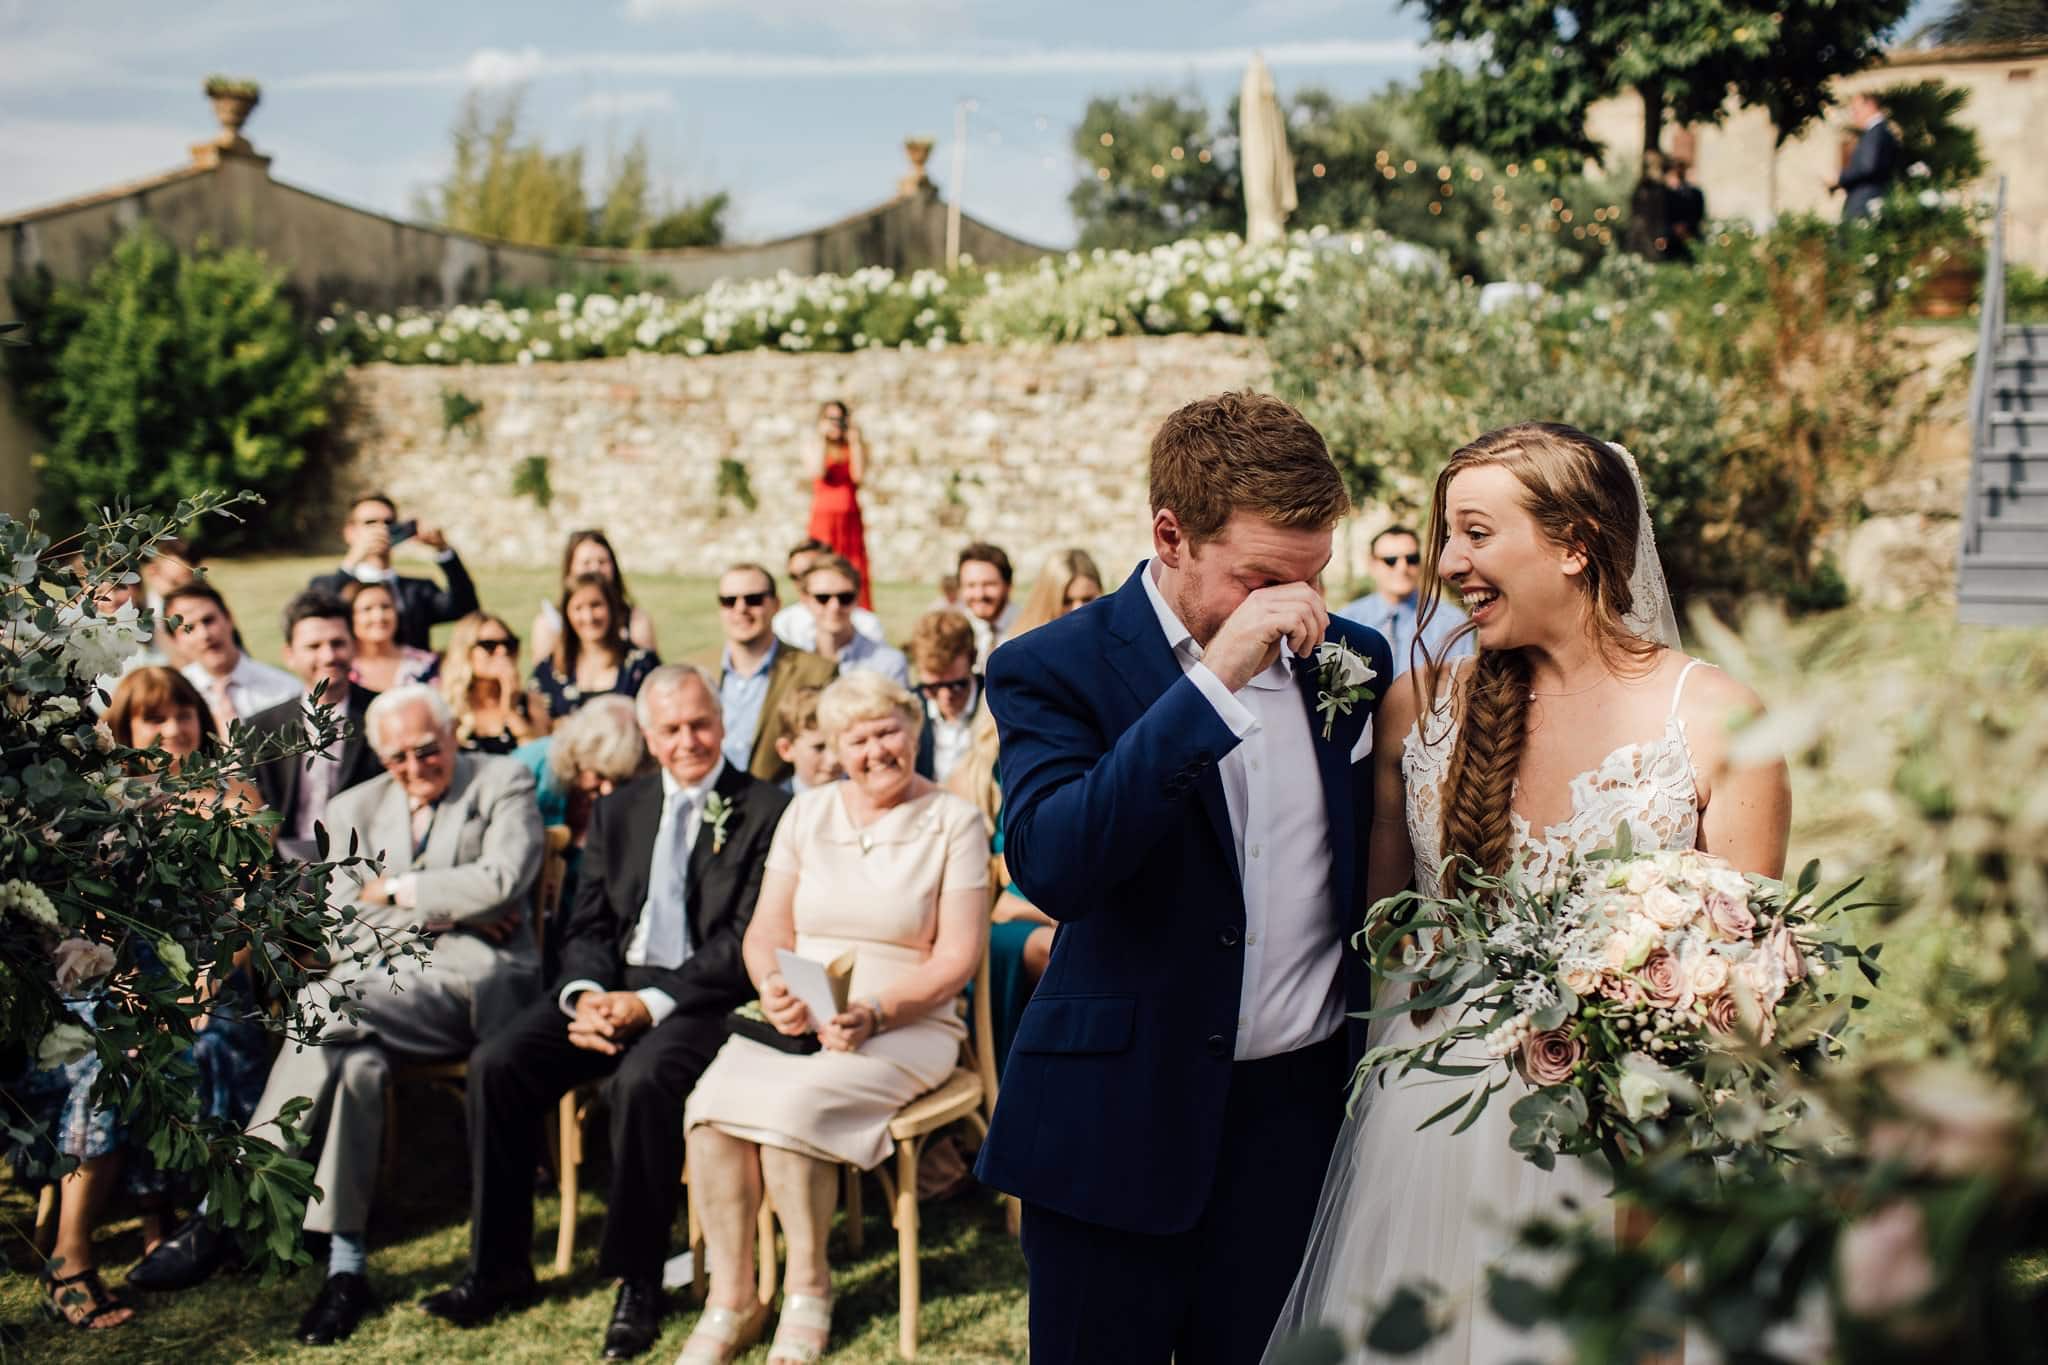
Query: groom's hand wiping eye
[[1292, 616]]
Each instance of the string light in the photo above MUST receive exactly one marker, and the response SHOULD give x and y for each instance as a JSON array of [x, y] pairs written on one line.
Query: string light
[[1513, 169], [1443, 172], [1538, 166], [1203, 156], [1102, 172], [1317, 170], [1436, 206], [1178, 153], [1408, 167], [1158, 171], [1109, 139]]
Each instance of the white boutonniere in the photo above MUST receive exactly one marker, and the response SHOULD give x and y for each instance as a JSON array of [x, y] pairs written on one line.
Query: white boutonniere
[[717, 810], [1341, 677]]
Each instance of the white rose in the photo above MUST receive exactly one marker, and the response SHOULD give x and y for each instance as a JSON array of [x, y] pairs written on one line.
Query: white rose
[[1706, 974], [1579, 981], [62, 1046], [80, 962], [1643, 876], [1642, 1089], [1667, 909]]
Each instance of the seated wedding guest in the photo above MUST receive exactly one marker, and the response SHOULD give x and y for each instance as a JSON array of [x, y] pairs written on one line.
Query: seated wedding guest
[[651, 967], [802, 744], [588, 755], [319, 646], [757, 670], [1068, 580], [593, 656], [153, 708], [942, 655], [235, 686], [495, 712], [1392, 607], [422, 603], [890, 867], [382, 662], [169, 565], [794, 623], [455, 842], [830, 589], [985, 576], [590, 552]]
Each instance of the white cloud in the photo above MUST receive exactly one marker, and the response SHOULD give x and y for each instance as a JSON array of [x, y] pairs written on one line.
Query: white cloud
[[624, 103], [493, 65]]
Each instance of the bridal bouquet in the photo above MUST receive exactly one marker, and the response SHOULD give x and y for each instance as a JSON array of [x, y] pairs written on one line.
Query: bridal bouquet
[[1635, 997]]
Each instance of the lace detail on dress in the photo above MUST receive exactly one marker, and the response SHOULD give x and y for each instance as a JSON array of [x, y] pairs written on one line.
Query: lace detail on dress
[[1651, 784]]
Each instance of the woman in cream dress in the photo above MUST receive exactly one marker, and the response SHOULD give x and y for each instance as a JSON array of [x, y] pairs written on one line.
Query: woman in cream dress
[[895, 870]]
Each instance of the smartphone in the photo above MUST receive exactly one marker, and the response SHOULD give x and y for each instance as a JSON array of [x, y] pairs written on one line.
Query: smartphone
[[403, 531]]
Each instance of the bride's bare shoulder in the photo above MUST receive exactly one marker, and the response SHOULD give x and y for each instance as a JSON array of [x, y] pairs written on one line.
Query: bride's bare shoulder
[[1411, 694]]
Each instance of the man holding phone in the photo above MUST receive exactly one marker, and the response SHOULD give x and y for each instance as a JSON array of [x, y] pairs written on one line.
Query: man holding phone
[[370, 532]]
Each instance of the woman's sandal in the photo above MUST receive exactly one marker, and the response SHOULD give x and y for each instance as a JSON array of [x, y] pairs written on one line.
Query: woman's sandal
[[721, 1334], [63, 1292], [806, 1313]]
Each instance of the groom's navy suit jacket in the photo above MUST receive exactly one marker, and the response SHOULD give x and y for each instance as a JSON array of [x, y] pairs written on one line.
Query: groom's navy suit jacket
[[1114, 823]]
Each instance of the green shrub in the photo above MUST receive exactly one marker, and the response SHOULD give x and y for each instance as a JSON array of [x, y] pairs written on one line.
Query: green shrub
[[166, 374], [2026, 294]]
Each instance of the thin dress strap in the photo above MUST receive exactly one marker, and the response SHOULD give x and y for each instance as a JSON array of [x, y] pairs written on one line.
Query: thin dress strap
[[1679, 689]]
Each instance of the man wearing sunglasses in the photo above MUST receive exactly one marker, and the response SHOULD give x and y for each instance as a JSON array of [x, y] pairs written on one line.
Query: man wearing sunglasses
[[454, 842], [757, 671], [831, 591], [942, 654], [1395, 603]]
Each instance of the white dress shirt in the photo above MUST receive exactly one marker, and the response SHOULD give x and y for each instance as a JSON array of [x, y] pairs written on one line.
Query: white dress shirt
[[951, 739], [1292, 994], [642, 949], [252, 686], [796, 627]]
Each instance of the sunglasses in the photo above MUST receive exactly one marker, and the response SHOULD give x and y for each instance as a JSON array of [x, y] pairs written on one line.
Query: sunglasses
[[752, 599], [500, 645], [844, 599], [1411, 560], [955, 685], [419, 753]]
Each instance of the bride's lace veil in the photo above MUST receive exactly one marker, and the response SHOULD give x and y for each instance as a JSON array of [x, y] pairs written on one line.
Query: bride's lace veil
[[1328, 1292]]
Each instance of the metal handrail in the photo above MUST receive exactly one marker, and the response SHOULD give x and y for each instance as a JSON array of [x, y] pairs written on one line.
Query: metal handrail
[[1990, 332]]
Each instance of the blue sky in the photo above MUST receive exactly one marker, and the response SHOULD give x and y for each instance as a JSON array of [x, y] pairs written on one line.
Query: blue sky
[[797, 107]]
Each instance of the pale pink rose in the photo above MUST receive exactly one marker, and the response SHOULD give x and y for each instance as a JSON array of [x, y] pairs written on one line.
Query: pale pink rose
[[1661, 978], [1785, 948], [1722, 1015], [1666, 908], [1615, 952], [1548, 1058], [1954, 1121], [1761, 978], [1580, 980], [1758, 1022], [1706, 974], [80, 963], [1623, 990], [1643, 876], [1730, 917], [1881, 1263]]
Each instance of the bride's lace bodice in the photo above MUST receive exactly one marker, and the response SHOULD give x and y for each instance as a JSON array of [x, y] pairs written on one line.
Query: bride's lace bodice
[[1651, 784]]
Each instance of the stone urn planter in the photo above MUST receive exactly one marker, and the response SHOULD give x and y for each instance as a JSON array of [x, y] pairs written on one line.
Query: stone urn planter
[[919, 150], [233, 101]]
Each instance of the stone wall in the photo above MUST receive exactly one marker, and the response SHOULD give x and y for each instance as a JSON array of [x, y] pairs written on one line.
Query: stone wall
[[1036, 450]]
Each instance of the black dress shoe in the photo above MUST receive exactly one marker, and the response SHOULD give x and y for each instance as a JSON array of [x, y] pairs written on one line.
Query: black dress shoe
[[333, 1317], [472, 1301], [183, 1259], [636, 1319]]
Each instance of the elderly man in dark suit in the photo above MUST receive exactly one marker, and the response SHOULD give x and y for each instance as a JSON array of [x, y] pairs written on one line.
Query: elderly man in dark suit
[[319, 646], [369, 533], [651, 966], [454, 843], [1875, 162]]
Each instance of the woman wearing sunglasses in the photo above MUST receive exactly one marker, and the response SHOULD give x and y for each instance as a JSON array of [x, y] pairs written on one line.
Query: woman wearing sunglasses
[[494, 712]]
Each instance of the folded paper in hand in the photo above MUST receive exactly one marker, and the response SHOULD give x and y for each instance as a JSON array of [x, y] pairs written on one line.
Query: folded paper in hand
[[822, 986]]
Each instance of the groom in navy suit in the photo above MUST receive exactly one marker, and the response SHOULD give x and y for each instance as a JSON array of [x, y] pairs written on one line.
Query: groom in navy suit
[[1171, 798]]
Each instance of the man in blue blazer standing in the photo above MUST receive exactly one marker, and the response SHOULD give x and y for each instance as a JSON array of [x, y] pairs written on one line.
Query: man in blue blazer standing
[[1176, 798]]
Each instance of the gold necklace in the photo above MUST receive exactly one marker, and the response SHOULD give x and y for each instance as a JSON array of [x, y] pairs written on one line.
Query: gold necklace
[[1580, 692]]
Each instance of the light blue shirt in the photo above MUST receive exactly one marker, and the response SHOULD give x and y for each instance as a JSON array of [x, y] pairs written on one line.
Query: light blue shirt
[[1396, 621], [862, 655], [740, 698]]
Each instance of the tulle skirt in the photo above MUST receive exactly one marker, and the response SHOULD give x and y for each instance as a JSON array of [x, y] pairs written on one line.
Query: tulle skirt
[[1402, 1207]]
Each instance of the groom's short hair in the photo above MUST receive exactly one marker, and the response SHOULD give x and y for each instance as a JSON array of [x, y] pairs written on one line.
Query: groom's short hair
[[1244, 451]]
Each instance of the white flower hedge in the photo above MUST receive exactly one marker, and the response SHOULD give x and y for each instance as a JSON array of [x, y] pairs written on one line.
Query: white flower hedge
[[1211, 284]]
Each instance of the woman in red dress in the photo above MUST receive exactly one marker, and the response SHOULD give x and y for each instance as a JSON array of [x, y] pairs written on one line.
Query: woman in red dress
[[838, 466]]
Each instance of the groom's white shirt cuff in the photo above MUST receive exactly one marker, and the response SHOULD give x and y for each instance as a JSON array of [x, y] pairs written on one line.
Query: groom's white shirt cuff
[[1229, 709]]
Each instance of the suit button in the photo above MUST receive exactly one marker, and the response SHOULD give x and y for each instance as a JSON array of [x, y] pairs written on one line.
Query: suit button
[[1217, 1045], [1227, 939]]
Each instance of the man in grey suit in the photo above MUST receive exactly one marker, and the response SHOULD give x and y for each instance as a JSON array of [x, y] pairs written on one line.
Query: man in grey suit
[[455, 842]]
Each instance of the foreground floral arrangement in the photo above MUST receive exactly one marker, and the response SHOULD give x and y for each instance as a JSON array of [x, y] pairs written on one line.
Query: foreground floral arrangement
[[1211, 284], [1628, 994]]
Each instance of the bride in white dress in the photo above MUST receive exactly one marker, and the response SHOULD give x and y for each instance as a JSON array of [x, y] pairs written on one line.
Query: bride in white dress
[[1578, 713]]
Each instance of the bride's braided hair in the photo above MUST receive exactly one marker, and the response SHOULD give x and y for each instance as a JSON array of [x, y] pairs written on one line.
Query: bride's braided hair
[[1581, 494]]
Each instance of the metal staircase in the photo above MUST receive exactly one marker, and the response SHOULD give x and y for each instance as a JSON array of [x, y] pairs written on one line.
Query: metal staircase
[[2002, 579]]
